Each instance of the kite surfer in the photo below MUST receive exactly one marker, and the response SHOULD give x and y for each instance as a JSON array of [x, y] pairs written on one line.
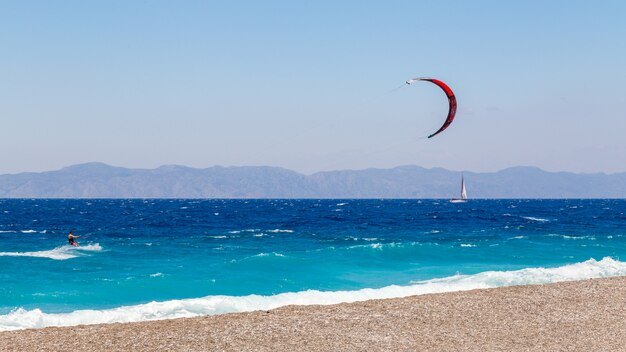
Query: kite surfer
[[72, 239]]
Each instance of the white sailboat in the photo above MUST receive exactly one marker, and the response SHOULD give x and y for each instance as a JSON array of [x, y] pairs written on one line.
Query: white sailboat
[[463, 198]]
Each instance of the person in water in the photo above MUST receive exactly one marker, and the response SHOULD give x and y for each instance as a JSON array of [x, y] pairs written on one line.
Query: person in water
[[72, 239]]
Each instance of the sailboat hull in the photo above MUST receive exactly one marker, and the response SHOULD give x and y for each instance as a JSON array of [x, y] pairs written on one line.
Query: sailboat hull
[[458, 201]]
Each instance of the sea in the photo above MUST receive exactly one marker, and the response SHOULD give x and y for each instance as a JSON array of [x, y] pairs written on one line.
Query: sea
[[149, 259]]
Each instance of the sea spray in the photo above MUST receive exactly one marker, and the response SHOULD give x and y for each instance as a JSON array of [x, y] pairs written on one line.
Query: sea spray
[[58, 253]]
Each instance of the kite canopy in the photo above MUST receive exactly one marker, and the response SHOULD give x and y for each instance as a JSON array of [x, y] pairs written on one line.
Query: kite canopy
[[451, 101]]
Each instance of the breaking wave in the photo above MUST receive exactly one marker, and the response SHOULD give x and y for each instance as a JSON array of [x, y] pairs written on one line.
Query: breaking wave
[[23, 319]]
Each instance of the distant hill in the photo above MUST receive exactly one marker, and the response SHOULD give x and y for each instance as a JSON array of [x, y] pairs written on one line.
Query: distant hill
[[97, 180]]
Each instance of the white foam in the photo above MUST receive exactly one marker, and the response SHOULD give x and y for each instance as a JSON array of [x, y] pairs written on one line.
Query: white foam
[[578, 237], [535, 219], [28, 231], [59, 253], [467, 245], [280, 231], [89, 247], [273, 254], [593, 238], [247, 230], [259, 255], [6, 231], [23, 319], [381, 246]]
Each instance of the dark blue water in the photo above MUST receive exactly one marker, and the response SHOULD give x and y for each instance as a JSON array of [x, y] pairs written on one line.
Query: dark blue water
[[137, 251]]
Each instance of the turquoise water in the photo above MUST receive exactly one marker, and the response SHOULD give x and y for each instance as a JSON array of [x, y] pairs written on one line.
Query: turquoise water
[[208, 256]]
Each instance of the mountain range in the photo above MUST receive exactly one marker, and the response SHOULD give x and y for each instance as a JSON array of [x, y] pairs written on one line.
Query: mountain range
[[98, 180]]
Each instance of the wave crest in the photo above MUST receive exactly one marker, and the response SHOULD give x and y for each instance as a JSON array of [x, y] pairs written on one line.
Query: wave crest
[[23, 319]]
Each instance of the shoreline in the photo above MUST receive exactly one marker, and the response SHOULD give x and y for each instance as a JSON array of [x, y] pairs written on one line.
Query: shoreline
[[581, 315]]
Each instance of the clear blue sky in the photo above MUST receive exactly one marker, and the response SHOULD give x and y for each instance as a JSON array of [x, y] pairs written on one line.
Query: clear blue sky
[[306, 86]]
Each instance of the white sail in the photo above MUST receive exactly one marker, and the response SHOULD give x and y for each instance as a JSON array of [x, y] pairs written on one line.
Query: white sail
[[463, 198], [463, 190]]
